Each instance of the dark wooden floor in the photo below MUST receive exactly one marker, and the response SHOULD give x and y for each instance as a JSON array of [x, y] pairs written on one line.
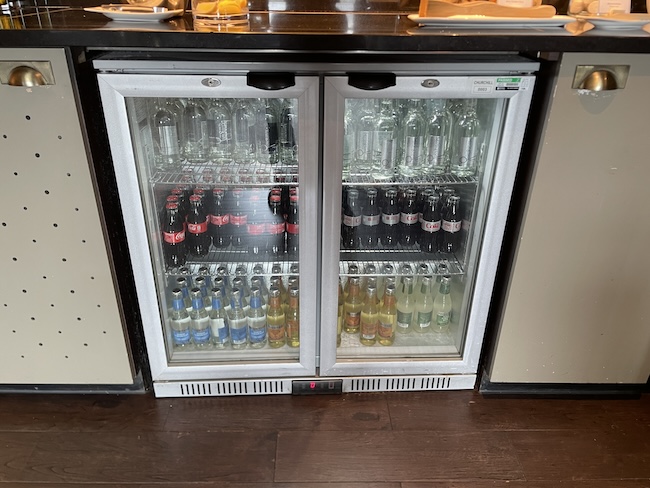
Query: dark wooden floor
[[395, 440]]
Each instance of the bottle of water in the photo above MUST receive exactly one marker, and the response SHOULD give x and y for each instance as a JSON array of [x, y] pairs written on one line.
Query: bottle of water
[[438, 135], [200, 322], [384, 157], [219, 130], [167, 151], [349, 136], [412, 144], [242, 123], [219, 321], [466, 131], [365, 129], [195, 132], [237, 321], [256, 320], [180, 322]]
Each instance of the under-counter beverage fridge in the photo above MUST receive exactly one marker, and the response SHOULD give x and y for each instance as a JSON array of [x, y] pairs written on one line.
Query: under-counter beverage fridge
[[314, 228]]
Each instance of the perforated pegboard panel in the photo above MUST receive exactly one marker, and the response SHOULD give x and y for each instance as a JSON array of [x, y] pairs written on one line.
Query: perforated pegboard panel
[[60, 321]]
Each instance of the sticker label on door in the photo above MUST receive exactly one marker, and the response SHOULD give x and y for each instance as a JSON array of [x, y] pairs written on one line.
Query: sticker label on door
[[483, 85], [512, 83]]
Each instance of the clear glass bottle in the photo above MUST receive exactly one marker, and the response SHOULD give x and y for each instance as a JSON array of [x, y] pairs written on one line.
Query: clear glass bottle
[[365, 132], [219, 321], [180, 321], [467, 147], [405, 307], [242, 121], [424, 306], [369, 317], [437, 142], [276, 319], [352, 306], [195, 132], [167, 154], [200, 323], [387, 317], [349, 136], [442, 306], [293, 318], [412, 141], [219, 120], [237, 321], [182, 284], [256, 320], [384, 157]]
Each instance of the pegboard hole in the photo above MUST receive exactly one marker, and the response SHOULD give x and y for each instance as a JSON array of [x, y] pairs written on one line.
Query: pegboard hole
[[24, 291], [83, 241], [47, 192], [34, 241], [28, 117], [66, 357], [40, 344], [4, 136], [60, 332], [79, 319], [71, 291], [76, 209], [85, 344], [55, 224], [15, 173], [32, 318], [24, 208], [63, 259], [15, 259], [37, 155], [68, 174], [60, 137], [4, 224], [51, 305]]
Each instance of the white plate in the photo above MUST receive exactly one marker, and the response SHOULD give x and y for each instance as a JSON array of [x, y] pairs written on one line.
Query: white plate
[[482, 21], [126, 14], [617, 21]]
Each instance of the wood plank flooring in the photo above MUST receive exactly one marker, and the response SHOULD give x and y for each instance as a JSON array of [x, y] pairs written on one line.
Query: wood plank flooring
[[384, 440]]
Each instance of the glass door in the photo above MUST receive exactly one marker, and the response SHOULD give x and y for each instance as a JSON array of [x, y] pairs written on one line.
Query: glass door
[[412, 170], [218, 182]]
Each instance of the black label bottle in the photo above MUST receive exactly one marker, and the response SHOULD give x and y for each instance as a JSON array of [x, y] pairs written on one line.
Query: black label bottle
[[431, 224], [409, 217], [351, 222], [451, 225], [370, 220], [390, 216]]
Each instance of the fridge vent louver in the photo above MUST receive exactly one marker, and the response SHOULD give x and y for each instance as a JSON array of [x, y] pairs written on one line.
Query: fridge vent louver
[[409, 383], [222, 388]]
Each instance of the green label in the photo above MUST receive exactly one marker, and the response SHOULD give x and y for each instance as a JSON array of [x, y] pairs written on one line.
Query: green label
[[404, 319], [424, 318], [508, 80], [442, 318]]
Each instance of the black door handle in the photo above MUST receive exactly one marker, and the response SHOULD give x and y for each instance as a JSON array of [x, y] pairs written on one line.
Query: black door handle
[[372, 81], [271, 81]]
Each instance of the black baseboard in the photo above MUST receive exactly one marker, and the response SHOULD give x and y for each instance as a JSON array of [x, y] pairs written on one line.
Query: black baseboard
[[561, 390], [138, 387]]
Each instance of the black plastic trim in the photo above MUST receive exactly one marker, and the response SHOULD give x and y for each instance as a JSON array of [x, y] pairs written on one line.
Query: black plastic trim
[[271, 81]]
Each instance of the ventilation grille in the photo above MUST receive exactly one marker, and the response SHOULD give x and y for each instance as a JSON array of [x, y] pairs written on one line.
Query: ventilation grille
[[408, 383], [222, 388]]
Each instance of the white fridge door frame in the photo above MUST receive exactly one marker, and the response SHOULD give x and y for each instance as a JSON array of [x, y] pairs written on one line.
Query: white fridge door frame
[[506, 160], [114, 89]]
